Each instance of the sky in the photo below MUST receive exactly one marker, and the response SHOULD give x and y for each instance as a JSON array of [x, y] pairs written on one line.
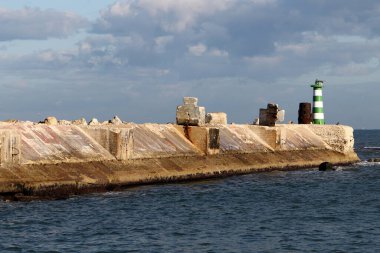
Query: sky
[[138, 58]]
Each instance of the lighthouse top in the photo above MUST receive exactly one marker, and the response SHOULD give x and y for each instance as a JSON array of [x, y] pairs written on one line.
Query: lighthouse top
[[318, 84]]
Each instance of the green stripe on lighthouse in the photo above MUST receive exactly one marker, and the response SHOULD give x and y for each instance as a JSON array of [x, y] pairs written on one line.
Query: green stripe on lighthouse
[[317, 110], [318, 113]]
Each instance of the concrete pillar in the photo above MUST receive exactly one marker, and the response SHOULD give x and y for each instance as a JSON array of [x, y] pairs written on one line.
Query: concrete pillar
[[213, 141], [206, 139], [119, 142], [10, 147]]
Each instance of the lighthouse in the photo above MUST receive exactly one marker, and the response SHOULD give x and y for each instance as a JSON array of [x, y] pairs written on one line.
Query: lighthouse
[[318, 115]]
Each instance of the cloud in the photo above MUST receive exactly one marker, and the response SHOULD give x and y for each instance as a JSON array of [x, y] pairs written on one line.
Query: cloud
[[141, 56], [37, 24], [198, 49]]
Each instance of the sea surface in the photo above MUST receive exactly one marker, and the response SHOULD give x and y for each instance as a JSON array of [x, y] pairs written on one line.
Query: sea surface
[[297, 211]]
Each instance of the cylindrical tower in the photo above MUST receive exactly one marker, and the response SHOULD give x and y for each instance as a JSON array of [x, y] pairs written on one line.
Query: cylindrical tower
[[304, 113], [318, 115]]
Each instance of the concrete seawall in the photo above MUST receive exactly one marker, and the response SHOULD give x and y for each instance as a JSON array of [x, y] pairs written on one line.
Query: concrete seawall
[[59, 160]]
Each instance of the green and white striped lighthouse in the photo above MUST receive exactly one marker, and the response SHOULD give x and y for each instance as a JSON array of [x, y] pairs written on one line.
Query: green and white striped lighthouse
[[318, 115]]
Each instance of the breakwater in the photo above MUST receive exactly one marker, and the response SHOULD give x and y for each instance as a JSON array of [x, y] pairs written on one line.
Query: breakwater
[[59, 160]]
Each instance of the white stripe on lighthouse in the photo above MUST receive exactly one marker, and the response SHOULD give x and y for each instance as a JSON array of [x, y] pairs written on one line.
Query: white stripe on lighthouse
[[317, 92], [318, 116], [318, 104]]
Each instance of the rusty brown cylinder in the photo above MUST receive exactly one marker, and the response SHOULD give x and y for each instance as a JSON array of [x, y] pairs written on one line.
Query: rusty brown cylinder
[[304, 113]]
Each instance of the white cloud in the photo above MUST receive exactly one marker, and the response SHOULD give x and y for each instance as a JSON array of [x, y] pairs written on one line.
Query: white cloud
[[357, 68], [218, 52], [296, 48], [171, 15], [263, 2], [186, 11], [120, 9], [34, 23], [198, 49], [161, 42], [264, 60]]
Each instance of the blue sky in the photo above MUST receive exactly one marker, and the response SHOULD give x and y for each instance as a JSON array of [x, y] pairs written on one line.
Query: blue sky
[[138, 58]]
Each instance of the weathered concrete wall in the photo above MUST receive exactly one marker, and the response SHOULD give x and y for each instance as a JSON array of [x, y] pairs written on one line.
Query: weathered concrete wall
[[243, 139], [337, 137], [36, 157], [27, 143], [133, 141], [51, 144], [205, 139]]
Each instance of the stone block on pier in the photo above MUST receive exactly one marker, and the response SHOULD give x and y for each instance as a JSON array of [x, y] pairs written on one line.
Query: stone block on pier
[[271, 115], [190, 113]]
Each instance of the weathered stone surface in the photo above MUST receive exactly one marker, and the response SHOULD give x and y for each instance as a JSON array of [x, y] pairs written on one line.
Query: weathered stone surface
[[81, 121], [337, 137], [271, 115], [11, 121], [190, 101], [29, 122], [37, 156], [64, 122], [116, 121], [217, 118], [51, 121], [94, 122], [280, 116], [190, 114]]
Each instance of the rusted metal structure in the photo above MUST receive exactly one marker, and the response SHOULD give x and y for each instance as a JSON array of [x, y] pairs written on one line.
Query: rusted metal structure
[[304, 113]]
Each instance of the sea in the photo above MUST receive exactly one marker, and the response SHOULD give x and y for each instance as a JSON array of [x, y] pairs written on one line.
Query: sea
[[280, 211]]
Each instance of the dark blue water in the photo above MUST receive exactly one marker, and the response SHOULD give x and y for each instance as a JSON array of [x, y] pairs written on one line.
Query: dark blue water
[[299, 211]]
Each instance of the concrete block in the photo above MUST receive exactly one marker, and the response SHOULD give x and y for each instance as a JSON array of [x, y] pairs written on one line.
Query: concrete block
[[116, 121], [64, 122], [93, 122], [280, 116], [118, 142], [10, 147], [190, 114], [271, 115], [190, 101], [51, 121], [263, 117], [217, 118], [81, 121], [205, 139]]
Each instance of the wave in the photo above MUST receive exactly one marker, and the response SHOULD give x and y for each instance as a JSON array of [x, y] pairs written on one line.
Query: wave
[[367, 163], [371, 147]]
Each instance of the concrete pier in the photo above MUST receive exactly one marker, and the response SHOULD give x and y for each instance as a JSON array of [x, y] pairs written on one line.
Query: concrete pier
[[40, 160]]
